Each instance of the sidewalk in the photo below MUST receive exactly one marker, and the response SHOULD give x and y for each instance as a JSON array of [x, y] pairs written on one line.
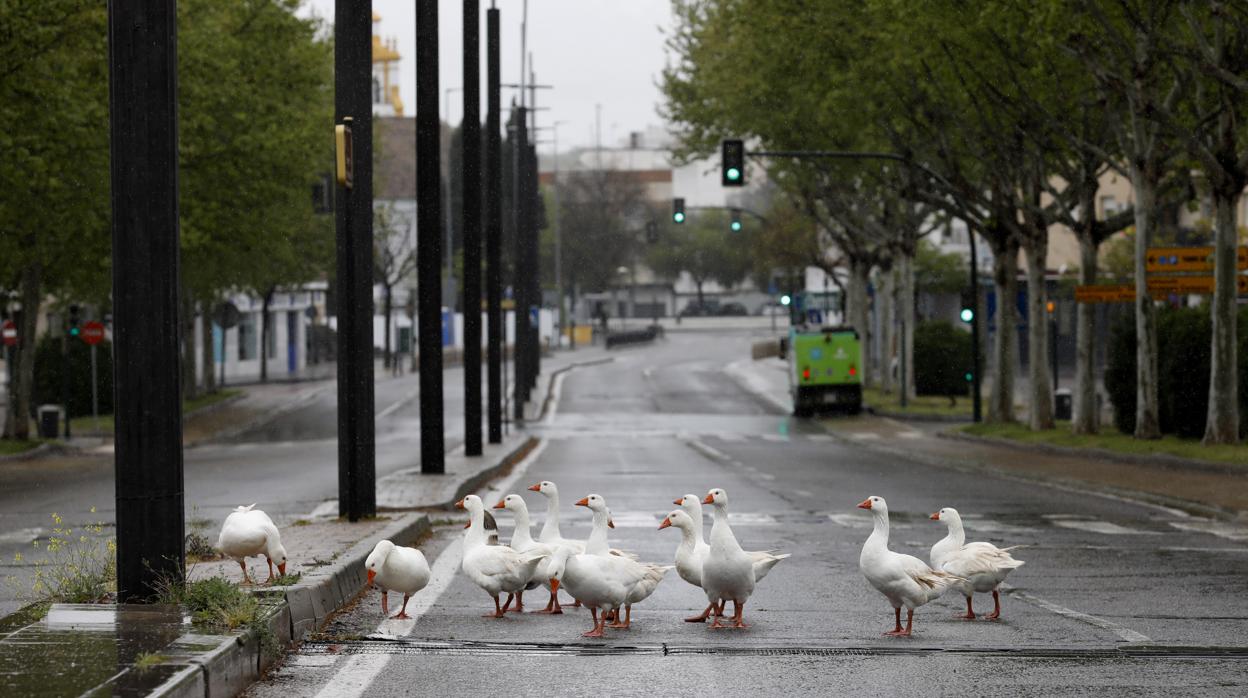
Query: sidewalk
[[153, 650], [1219, 493]]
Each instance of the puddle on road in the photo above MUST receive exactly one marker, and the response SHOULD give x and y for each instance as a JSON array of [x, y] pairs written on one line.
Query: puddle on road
[[79, 647]]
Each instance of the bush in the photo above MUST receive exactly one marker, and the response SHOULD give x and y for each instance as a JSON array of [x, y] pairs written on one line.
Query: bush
[[48, 367], [942, 356], [1183, 351]]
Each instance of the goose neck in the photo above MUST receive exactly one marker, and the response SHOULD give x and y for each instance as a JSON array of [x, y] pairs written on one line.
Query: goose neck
[[879, 536], [475, 535], [522, 535], [597, 543], [956, 532], [550, 529]]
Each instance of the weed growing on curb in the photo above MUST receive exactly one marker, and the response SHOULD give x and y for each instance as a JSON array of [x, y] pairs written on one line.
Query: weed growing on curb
[[71, 566], [148, 660]]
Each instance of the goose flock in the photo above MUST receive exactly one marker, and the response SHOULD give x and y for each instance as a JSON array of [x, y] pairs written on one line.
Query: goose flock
[[609, 581]]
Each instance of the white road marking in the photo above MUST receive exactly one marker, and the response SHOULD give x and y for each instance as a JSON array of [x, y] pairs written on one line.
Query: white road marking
[[398, 404], [708, 451], [21, 535], [865, 436], [1222, 529], [751, 519], [910, 434], [635, 519], [1081, 523], [1124, 633], [359, 671], [779, 438], [820, 437]]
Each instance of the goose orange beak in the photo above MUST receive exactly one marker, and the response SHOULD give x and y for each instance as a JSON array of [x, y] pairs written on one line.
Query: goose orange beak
[[710, 499], [679, 501], [459, 504], [535, 488], [864, 504], [610, 523], [584, 502], [501, 505], [935, 517], [667, 521], [371, 574], [282, 568]]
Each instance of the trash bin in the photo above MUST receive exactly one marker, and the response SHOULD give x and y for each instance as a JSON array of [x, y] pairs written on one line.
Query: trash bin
[[49, 421], [1062, 404]]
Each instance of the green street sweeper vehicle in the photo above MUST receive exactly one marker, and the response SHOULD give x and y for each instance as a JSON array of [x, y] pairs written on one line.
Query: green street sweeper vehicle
[[825, 369]]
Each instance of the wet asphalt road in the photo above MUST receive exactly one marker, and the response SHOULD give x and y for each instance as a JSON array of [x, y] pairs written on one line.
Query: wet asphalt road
[[1116, 597]]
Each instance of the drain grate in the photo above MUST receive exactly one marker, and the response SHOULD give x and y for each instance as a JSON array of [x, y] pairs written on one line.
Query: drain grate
[[400, 646]]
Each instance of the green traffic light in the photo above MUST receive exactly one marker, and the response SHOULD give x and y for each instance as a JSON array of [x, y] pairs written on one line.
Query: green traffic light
[[73, 331], [967, 315], [678, 217], [733, 174], [969, 377], [736, 226], [785, 300]]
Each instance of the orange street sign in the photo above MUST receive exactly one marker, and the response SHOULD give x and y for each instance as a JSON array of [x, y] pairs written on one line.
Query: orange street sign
[[1191, 284], [1188, 259], [1122, 293], [343, 155]]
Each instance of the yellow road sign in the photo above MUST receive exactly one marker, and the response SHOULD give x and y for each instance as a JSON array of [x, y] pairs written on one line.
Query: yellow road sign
[[343, 156], [1188, 259], [1191, 284], [1119, 293]]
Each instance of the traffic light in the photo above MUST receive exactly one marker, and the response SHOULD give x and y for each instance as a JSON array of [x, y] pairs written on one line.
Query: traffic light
[[732, 163], [967, 313], [1050, 306], [652, 232], [678, 211], [736, 220], [785, 299], [969, 376], [74, 329]]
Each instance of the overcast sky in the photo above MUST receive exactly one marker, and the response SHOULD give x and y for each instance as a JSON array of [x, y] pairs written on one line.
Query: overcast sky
[[607, 52]]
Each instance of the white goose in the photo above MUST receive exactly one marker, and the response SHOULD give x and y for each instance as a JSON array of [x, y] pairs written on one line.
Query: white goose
[[599, 579], [247, 531], [522, 542], [397, 568], [690, 555], [983, 565], [494, 568], [904, 580], [727, 571], [764, 560]]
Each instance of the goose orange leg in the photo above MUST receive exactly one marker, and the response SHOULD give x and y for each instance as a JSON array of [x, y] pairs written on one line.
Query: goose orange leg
[[247, 581], [739, 609], [598, 625], [702, 618], [898, 632], [628, 618], [498, 611], [402, 614], [996, 611], [718, 615], [385, 602], [552, 606], [970, 612]]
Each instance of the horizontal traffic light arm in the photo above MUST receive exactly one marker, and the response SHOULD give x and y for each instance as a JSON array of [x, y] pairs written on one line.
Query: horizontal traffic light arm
[[846, 155], [738, 209]]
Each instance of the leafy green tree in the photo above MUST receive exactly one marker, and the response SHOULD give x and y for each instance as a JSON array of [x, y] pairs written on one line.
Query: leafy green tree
[[706, 249]]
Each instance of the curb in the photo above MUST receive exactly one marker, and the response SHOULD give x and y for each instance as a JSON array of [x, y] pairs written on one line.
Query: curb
[[37, 452], [907, 417], [1082, 486], [263, 419], [237, 661], [220, 404], [1158, 459], [550, 383]]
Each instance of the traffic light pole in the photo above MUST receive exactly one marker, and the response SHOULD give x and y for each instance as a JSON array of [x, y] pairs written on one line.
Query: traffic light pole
[[493, 233], [471, 228], [428, 254], [976, 399]]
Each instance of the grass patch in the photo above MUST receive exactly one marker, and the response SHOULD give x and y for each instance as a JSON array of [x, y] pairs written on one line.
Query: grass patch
[[71, 565], [11, 447], [923, 405], [1113, 441], [148, 660], [285, 580], [218, 605], [86, 425]]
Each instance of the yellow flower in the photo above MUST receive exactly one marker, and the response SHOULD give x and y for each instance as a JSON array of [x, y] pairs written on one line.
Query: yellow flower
[[17, 557]]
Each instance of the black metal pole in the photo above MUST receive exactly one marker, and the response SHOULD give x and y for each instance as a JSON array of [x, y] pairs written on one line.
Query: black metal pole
[[357, 496], [429, 238], [493, 231], [471, 228], [976, 399], [147, 389], [65, 375], [534, 271], [520, 282]]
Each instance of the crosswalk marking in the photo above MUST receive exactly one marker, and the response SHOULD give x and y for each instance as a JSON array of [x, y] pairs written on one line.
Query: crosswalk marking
[[1222, 529]]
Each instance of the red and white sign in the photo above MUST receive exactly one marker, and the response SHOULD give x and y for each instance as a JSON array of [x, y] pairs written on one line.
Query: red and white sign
[[93, 332], [10, 333]]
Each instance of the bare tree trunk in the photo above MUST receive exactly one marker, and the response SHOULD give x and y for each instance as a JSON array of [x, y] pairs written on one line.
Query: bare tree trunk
[[1086, 420], [1222, 426], [389, 308], [208, 351], [887, 318], [859, 275], [17, 424], [1040, 383], [905, 302], [1147, 424], [1005, 345]]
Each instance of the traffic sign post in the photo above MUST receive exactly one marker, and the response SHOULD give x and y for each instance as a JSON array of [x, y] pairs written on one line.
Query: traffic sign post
[[1168, 259], [93, 334]]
